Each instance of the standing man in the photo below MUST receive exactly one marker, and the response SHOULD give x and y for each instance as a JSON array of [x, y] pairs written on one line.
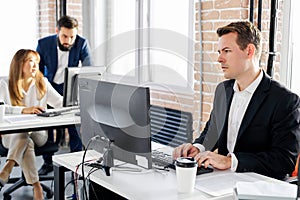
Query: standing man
[[255, 121], [64, 49]]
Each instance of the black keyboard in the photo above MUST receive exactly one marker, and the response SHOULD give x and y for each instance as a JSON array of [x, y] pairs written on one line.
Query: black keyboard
[[56, 112], [49, 114], [162, 159]]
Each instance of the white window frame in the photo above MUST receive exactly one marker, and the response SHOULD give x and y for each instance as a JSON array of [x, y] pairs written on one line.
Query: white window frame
[[142, 75], [287, 64]]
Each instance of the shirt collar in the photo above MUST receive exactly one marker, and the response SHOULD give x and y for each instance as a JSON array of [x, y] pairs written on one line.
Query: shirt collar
[[29, 88], [252, 87]]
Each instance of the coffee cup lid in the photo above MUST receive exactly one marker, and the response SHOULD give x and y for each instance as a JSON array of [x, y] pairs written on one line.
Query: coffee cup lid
[[186, 162]]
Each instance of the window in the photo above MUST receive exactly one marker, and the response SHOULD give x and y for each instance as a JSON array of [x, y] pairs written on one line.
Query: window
[[295, 68], [170, 53], [19, 29], [290, 63], [145, 41], [122, 37]]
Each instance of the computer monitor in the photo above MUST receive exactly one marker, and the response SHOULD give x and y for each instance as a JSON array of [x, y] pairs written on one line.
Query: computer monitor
[[71, 75], [119, 114]]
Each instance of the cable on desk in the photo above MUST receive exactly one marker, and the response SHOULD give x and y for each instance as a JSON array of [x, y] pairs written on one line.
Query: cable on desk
[[71, 181], [75, 178], [82, 163], [92, 170]]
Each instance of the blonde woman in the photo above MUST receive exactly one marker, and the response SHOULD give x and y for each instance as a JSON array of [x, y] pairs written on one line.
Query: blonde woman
[[4, 98], [27, 87]]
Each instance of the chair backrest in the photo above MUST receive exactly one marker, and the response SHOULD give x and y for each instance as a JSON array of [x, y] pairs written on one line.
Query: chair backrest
[[295, 172], [170, 126], [49, 147], [3, 150]]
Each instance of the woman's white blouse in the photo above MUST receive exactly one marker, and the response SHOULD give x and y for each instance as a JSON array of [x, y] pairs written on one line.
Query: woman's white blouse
[[4, 97], [52, 97]]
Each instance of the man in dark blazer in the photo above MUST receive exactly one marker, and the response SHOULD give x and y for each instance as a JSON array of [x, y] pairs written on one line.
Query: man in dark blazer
[[254, 124], [64, 49], [66, 40]]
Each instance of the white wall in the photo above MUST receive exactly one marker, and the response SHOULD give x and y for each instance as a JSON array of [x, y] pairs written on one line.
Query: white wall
[[19, 25]]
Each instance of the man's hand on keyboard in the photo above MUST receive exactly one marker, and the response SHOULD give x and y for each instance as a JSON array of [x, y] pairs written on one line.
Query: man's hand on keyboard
[[213, 159], [33, 110], [185, 150]]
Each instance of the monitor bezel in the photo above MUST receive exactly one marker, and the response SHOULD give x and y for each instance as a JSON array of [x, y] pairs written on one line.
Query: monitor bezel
[[71, 76], [140, 152]]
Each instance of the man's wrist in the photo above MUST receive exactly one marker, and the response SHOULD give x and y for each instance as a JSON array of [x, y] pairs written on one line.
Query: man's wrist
[[199, 146], [233, 161]]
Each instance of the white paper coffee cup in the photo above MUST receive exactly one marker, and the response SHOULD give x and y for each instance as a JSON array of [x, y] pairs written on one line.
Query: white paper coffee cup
[[186, 169]]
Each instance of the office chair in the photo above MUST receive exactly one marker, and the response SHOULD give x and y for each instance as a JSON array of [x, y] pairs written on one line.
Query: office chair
[[294, 177], [49, 147]]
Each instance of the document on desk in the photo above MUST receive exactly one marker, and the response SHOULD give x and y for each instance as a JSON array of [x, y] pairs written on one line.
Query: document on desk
[[23, 118], [265, 190], [223, 183]]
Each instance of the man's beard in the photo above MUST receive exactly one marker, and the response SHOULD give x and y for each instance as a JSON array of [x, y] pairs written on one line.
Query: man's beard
[[62, 47]]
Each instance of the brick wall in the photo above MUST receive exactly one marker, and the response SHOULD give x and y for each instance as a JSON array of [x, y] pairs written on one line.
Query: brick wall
[[47, 15], [211, 15], [74, 9]]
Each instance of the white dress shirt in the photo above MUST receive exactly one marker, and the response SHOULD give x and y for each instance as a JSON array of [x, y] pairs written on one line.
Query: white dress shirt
[[239, 104], [63, 60]]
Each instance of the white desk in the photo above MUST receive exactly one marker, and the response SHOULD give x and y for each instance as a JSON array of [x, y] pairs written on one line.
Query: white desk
[[42, 123], [148, 185]]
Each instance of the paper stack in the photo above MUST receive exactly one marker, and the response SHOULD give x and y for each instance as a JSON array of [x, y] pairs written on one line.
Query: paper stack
[[264, 190]]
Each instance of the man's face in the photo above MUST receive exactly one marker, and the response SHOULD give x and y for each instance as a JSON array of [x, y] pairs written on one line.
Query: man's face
[[233, 60], [67, 37]]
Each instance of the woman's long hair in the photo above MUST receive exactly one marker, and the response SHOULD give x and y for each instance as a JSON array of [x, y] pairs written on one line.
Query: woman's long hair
[[16, 79]]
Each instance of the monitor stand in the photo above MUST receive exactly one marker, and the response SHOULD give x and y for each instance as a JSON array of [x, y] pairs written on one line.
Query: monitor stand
[[108, 155], [106, 162]]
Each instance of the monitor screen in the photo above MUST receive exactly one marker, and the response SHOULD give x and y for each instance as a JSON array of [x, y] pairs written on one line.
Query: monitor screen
[[118, 113], [71, 75]]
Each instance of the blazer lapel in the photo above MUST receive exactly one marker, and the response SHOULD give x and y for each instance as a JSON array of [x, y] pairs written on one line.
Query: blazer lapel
[[73, 59], [255, 102]]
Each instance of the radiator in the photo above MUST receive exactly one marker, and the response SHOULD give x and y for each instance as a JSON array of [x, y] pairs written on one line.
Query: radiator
[[169, 126]]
